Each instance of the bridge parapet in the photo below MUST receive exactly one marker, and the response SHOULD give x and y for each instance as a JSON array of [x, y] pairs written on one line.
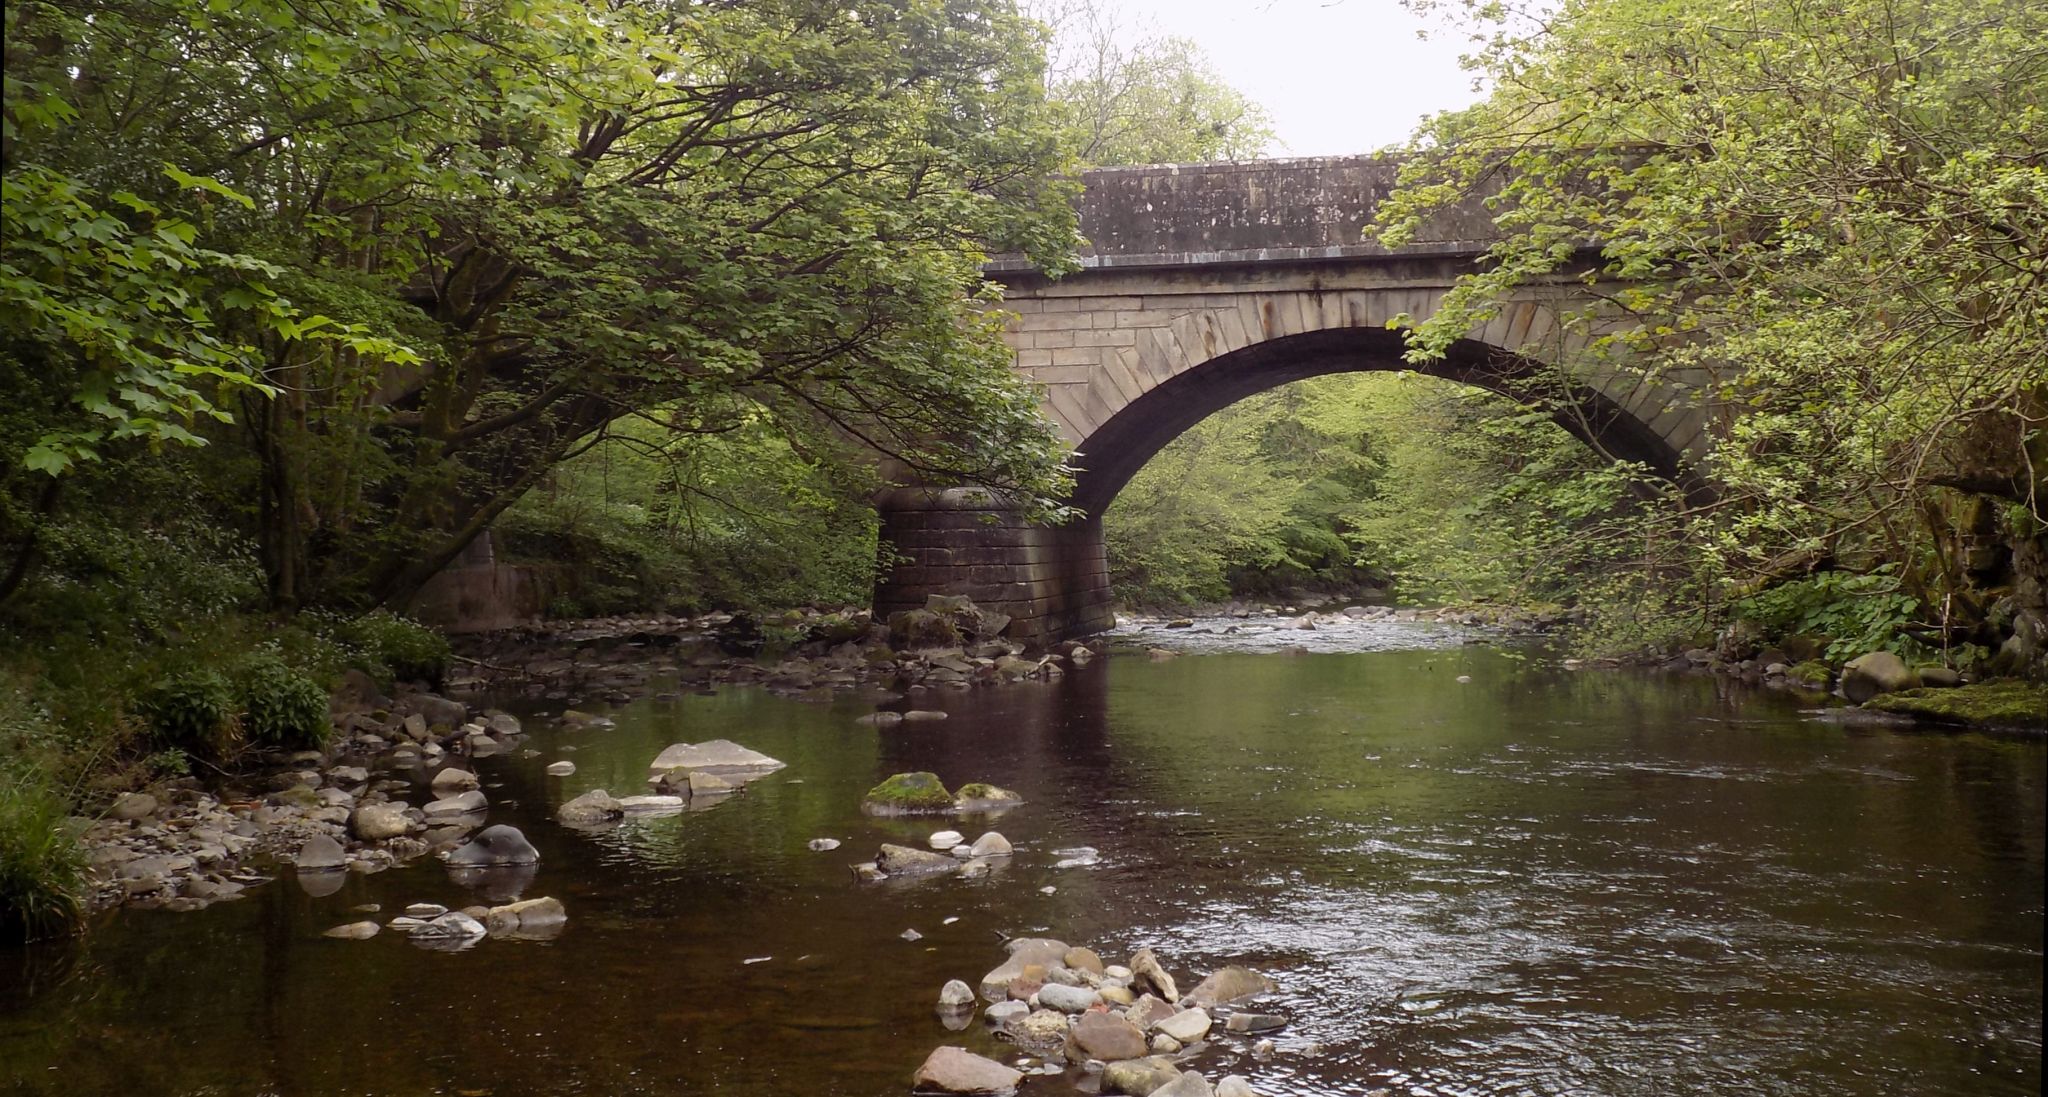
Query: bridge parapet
[[1251, 211]]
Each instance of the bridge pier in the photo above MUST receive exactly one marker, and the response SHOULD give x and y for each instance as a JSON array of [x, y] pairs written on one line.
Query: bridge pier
[[1053, 581]]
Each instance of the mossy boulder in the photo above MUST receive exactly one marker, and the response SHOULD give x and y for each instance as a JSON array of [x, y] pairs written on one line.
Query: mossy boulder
[[1812, 674], [909, 794], [2007, 703]]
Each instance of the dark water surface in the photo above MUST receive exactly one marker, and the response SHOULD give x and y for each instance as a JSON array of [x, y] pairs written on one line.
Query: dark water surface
[[1537, 882]]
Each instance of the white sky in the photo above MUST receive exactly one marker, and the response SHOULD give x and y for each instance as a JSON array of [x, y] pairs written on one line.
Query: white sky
[[1338, 76]]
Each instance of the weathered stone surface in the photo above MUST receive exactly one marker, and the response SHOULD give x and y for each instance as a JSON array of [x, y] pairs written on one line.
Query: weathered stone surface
[[1187, 1026], [130, 806], [945, 840], [1255, 1022], [319, 854], [1067, 999], [454, 780], [703, 783], [462, 803], [1107, 1037], [1080, 959], [378, 822], [526, 916], [1140, 1077], [955, 994], [1866, 676], [977, 796], [1234, 1085], [1025, 952], [992, 844], [905, 861], [494, 846], [1189, 1084], [454, 924], [1228, 984], [1148, 1011], [1146, 970], [957, 1070], [652, 805], [718, 756], [561, 769], [594, 807]]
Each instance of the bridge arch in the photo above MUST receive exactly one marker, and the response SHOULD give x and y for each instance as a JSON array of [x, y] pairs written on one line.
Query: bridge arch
[[1204, 284]]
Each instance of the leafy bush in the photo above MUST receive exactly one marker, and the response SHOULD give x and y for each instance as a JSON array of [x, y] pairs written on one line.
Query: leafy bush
[[386, 645], [194, 711], [1855, 613], [281, 707], [42, 867]]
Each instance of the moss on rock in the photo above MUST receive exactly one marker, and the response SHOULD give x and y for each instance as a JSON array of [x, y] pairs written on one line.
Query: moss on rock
[[908, 794], [1812, 673], [2007, 703]]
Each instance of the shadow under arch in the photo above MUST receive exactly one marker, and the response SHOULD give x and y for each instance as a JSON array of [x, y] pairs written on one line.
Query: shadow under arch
[[1116, 450]]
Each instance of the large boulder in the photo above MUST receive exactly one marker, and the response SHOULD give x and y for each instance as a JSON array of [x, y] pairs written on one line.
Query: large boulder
[[909, 794], [1866, 676], [957, 1070], [1229, 984], [493, 846]]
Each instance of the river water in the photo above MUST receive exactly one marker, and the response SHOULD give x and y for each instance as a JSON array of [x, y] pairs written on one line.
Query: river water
[[1533, 881]]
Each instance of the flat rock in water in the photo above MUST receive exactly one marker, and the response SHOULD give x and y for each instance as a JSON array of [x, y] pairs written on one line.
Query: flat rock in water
[[1255, 1022], [720, 756], [561, 769], [1187, 1026], [957, 1070], [452, 924], [945, 840], [703, 783], [462, 803], [1229, 984], [354, 931], [905, 861], [652, 805], [823, 845], [526, 916]]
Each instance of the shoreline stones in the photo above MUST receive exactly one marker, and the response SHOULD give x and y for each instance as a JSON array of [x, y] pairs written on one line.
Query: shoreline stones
[[595, 807], [957, 1070], [494, 846]]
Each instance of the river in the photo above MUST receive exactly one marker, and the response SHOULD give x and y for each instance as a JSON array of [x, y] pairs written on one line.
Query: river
[[1471, 871]]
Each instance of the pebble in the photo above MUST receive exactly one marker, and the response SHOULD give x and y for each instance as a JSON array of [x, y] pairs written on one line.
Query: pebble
[[911, 935], [561, 769], [946, 839], [354, 931], [823, 845]]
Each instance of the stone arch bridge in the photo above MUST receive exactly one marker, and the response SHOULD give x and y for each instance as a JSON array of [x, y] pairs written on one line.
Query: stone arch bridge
[[1204, 284]]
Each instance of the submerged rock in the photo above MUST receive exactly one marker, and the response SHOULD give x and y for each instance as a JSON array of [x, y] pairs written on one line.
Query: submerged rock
[[908, 794]]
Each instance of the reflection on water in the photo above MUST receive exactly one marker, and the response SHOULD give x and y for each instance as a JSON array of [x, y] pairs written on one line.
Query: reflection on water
[[1529, 883]]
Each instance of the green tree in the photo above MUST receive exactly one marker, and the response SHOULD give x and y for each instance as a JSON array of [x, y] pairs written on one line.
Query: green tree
[[1130, 95], [1835, 215], [533, 220]]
